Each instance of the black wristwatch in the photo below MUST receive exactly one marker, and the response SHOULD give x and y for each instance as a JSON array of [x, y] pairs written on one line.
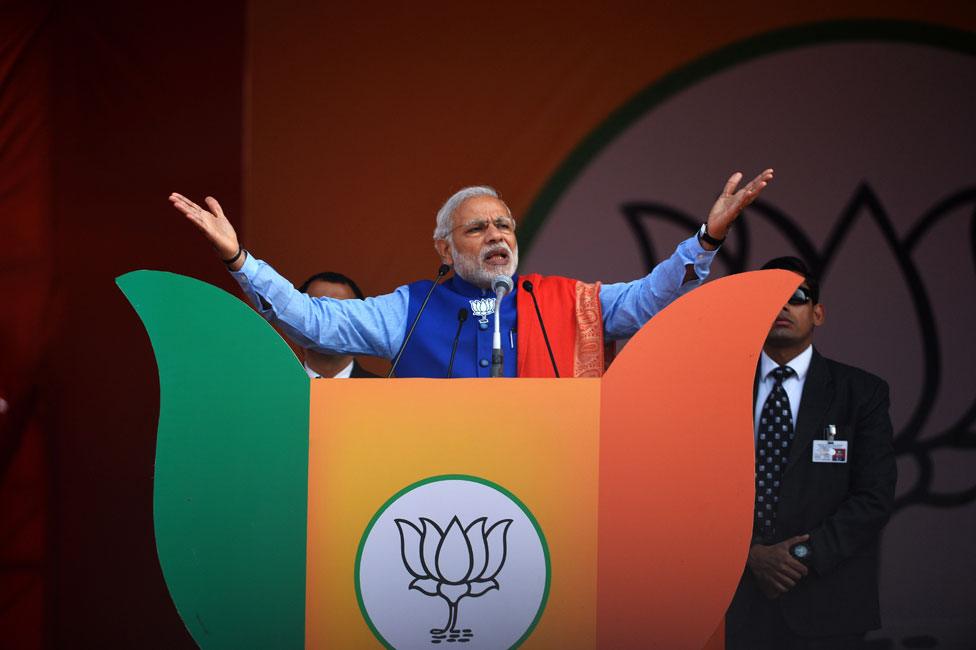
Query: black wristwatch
[[802, 552], [708, 239]]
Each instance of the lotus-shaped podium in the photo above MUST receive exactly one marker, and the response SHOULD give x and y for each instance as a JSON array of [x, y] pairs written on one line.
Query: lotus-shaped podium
[[261, 512]]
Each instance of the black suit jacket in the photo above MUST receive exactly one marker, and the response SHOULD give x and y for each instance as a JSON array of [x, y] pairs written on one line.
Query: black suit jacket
[[358, 372], [842, 506], [361, 373]]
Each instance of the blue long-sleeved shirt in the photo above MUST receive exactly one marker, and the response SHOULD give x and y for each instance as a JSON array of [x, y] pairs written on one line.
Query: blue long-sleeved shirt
[[376, 326]]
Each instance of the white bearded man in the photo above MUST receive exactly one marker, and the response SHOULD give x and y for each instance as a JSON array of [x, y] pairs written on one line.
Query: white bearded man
[[475, 235]]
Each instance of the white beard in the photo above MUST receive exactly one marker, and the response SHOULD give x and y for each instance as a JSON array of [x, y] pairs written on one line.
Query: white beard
[[476, 271]]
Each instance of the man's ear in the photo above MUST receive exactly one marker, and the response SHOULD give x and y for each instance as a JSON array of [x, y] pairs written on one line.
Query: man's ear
[[818, 314], [444, 251]]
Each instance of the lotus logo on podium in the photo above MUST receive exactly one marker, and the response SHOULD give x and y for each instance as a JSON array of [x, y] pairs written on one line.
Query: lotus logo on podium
[[491, 555], [453, 563]]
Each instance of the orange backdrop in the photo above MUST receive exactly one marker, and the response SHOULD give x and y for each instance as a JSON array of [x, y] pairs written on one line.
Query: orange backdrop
[[361, 120]]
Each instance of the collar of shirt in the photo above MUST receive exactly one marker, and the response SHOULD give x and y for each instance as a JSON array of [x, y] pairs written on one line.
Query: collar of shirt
[[342, 374], [465, 288], [800, 365]]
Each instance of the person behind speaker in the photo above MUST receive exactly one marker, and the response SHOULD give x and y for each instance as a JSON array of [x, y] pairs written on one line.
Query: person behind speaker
[[329, 284]]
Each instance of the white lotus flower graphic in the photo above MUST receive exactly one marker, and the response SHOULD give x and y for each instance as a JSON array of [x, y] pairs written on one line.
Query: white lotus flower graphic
[[453, 563]]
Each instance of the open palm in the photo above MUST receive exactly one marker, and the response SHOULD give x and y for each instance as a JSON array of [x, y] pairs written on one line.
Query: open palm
[[731, 202], [212, 223]]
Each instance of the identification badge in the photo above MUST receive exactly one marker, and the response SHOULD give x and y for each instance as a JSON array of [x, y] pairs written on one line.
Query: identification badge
[[826, 451]]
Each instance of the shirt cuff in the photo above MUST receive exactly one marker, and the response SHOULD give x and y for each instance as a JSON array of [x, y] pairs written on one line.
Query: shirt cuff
[[690, 251], [248, 268], [246, 277]]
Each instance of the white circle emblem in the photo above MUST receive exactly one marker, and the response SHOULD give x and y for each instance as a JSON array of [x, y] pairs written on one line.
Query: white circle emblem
[[453, 560]]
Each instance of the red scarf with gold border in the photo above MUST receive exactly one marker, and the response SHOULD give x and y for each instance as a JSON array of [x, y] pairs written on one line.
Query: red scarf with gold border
[[574, 321]]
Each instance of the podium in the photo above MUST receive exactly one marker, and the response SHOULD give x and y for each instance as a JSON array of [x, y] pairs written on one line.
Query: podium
[[477, 513]]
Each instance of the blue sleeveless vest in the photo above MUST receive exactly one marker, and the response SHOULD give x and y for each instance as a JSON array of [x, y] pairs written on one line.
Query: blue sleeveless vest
[[429, 350]]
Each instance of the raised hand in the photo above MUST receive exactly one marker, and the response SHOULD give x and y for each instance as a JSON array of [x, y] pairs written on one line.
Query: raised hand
[[776, 570], [731, 202], [213, 224]]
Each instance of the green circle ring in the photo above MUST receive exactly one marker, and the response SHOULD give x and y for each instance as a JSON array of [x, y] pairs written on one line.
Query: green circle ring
[[780, 40], [454, 477]]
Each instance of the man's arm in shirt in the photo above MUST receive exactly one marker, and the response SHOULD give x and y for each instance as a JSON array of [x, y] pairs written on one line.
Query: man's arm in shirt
[[628, 305], [374, 326]]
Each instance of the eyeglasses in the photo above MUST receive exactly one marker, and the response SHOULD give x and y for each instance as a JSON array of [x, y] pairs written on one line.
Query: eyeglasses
[[505, 225], [800, 297]]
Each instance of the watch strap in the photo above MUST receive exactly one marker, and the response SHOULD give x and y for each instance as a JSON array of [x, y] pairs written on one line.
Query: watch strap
[[708, 239]]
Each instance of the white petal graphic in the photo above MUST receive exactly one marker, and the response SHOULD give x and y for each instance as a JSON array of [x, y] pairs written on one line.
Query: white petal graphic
[[480, 587], [425, 585], [454, 554], [410, 540], [497, 548], [475, 533], [430, 539]]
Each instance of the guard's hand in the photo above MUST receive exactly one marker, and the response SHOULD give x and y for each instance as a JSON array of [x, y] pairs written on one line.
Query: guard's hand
[[213, 224], [731, 202], [775, 569]]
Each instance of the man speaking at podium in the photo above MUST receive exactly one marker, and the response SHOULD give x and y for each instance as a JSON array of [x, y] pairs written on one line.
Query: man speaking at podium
[[547, 326]]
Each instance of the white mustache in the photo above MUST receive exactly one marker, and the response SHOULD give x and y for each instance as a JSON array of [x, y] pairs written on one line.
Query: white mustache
[[503, 247]]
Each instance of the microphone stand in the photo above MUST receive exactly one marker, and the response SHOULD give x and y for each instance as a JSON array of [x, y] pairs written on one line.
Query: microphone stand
[[545, 337], [462, 316], [502, 285], [497, 360]]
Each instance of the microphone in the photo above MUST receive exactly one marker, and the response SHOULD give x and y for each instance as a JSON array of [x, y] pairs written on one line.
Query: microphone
[[462, 316], [441, 272], [545, 337], [502, 284]]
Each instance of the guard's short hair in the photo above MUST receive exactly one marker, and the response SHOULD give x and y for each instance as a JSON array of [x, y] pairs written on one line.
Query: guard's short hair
[[335, 278], [795, 264]]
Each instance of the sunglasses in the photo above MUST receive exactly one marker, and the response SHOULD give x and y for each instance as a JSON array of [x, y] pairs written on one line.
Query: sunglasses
[[800, 297]]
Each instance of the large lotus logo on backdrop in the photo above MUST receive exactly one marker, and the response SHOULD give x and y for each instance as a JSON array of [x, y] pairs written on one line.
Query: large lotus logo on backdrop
[[915, 440], [454, 563]]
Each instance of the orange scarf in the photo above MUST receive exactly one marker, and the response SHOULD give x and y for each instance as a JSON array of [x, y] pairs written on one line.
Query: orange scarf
[[574, 321]]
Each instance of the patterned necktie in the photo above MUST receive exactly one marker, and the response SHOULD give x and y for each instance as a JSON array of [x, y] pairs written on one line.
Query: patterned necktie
[[772, 447]]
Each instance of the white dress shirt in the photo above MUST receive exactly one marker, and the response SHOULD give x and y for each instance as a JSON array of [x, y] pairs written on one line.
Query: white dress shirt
[[793, 385], [345, 373]]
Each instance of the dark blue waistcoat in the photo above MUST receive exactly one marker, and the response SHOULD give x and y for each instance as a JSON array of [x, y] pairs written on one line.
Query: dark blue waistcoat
[[429, 350]]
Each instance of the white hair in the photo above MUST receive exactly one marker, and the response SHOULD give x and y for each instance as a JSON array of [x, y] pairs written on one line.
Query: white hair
[[444, 225]]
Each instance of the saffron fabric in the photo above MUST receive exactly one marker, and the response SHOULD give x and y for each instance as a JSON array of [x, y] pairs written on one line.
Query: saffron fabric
[[573, 320]]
